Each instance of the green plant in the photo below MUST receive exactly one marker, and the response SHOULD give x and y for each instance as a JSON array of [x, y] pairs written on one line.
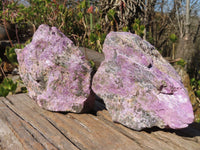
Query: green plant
[[138, 27], [10, 52], [94, 35], [173, 38], [92, 64], [96, 40], [24, 90], [7, 86], [195, 86], [38, 12], [125, 29], [11, 55], [181, 62], [111, 17], [79, 20], [111, 14], [1, 5], [90, 11], [197, 119]]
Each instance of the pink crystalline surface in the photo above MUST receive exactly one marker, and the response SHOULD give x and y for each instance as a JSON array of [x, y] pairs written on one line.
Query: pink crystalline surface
[[55, 71], [140, 89]]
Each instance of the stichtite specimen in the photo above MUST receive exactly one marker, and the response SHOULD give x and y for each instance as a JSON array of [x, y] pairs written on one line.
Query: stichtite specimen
[[139, 87], [55, 72]]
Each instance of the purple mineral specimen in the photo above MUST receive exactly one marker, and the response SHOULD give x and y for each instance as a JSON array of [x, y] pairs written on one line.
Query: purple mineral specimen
[[139, 87], [55, 72]]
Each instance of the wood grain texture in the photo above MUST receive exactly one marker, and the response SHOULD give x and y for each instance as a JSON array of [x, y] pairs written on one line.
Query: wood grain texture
[[26, 126]]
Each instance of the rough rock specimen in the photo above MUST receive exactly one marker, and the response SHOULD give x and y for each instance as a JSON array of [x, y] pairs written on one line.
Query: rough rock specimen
[[140, 88], [186, 82], [55, 72]]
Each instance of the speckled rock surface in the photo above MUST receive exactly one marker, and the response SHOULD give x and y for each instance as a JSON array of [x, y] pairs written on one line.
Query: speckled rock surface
[[140, 88], [55, 72], [193, 99]]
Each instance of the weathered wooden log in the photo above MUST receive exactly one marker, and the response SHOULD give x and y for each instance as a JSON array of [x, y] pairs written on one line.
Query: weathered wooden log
[[96, 57], [24, 125]]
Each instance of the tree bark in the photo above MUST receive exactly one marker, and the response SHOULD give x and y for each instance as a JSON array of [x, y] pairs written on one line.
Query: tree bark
[[197, 32], [185, 48], [187, 21]]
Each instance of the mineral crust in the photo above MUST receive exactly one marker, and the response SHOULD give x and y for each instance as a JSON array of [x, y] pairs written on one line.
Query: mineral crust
[[55, 72], [139, 87]]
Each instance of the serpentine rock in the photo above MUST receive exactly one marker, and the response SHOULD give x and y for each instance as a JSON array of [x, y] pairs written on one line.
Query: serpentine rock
[[139, 87], [55, 72]]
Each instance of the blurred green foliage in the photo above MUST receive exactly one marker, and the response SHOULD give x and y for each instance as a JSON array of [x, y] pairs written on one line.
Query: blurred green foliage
[[138, 27], [181, 62], [173, 38], [195, 86], [7, 86], [10, 52], [39, 12], [11, 55], [92, 64], [93, 34], [111, 15], [24, 90], [125, 29]]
